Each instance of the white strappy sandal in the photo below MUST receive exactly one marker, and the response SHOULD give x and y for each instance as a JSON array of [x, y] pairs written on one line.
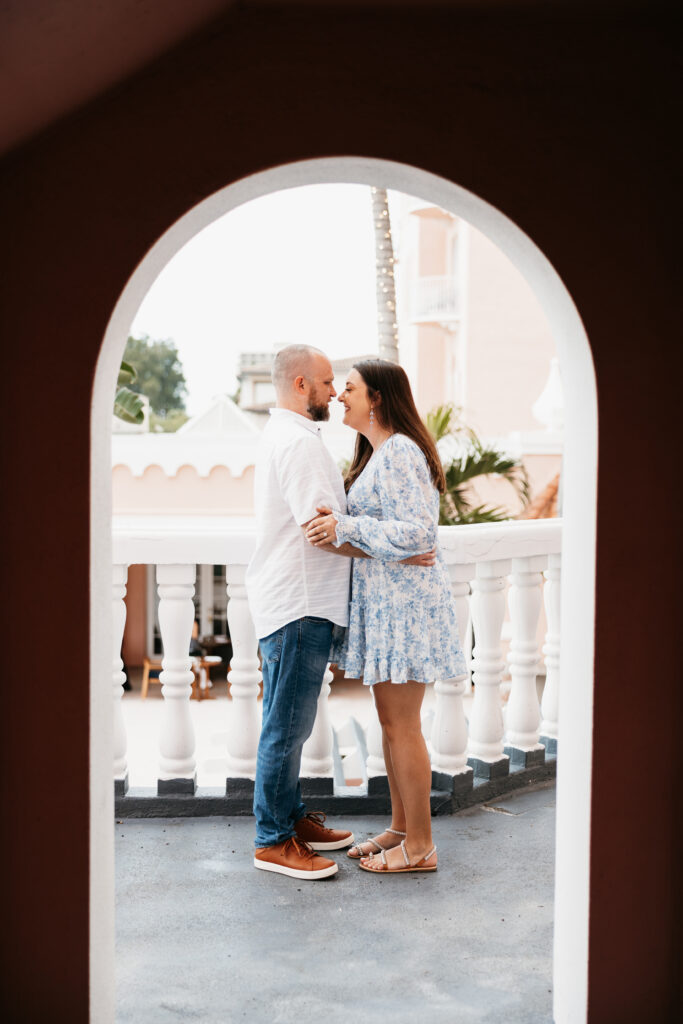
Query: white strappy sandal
[[380, 849], [384, 869]]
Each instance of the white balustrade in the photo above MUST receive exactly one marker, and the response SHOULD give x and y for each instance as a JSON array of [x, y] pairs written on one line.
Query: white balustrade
[[244, 678], [448, 741], [487, 606], [120, 575], [484, 554], [316, 758], [522, 718], [176, 615], [551, 650]]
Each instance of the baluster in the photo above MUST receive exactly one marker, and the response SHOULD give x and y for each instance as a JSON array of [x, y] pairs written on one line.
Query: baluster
[[120, 576], [551, 650], [467, 650], [376, 768], [177, 765], [244, 678], [487, 605], [448, 740], [316, 759], [523, 718]]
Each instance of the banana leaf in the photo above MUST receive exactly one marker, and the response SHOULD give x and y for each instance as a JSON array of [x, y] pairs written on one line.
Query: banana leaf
[[127, 374], [128, 406]]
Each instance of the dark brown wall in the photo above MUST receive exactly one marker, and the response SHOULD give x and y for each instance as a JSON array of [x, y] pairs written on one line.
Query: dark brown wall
[[561, 120], [54, 57]]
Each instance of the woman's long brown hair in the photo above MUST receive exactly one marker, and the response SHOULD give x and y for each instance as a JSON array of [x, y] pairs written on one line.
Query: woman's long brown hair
[[396, 412]]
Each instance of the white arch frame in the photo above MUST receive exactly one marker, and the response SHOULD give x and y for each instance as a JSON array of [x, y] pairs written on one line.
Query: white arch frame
[[578, 598]]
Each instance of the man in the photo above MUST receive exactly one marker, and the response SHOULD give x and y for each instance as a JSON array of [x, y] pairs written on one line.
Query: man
[[297, 594]]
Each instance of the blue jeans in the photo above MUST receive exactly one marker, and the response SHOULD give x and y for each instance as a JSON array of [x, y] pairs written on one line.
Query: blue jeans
[[294, 660]]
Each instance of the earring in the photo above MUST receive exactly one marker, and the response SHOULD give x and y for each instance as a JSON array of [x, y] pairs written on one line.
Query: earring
[[372, 416]]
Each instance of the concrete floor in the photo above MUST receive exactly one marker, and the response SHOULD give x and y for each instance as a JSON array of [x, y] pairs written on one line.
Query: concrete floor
[[203, 936]]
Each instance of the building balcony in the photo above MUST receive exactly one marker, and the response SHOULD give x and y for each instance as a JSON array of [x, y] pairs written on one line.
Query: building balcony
[[480, 743], [435, 300]]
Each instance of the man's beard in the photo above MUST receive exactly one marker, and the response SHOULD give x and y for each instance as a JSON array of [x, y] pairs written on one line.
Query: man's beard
[[318, 412]]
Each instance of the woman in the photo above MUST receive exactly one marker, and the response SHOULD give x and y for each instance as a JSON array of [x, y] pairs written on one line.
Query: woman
[[402, 629]]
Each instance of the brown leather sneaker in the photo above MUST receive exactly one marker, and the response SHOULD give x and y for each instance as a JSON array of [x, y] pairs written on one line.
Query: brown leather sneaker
[[311, 830], [292, 857]]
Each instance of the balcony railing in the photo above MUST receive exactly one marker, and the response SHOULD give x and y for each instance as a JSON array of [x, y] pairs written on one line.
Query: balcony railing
[[435, 300], [484, 562]]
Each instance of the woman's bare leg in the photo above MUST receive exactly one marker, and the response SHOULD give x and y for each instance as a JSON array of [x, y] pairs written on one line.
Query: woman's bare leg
[[398, 707], [387, 840], [398, 815]]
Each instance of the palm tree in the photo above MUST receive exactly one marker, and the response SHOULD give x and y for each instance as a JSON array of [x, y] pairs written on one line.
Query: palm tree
[[384, 277], [471, 458]]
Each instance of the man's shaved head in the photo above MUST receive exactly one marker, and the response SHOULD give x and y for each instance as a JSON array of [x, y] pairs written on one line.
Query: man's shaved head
[[291, 362], [304, 381]]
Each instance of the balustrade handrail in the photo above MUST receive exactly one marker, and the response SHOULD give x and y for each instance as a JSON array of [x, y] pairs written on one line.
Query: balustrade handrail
[[222, 540]]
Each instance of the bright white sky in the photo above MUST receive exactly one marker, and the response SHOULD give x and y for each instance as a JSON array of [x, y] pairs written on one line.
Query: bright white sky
[[294, 266]]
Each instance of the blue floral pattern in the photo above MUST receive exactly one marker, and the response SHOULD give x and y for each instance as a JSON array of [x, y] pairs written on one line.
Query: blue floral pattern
[[402, 623]]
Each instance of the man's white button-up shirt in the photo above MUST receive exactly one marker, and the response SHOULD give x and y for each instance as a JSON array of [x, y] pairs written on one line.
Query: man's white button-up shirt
[[287, 577]]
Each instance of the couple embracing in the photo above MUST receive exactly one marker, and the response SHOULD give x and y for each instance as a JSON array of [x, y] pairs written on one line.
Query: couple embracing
[[347, 571]]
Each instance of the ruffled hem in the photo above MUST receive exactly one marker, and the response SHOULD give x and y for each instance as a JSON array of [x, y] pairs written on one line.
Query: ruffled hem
[[378, 670]]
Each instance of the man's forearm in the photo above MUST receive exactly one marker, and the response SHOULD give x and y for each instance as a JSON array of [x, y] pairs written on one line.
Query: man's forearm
[[347, 550]]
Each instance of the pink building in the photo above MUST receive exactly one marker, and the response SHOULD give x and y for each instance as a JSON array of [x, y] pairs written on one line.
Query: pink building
[[473, 333]]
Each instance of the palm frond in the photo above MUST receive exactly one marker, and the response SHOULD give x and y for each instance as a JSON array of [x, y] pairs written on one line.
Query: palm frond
[[128, 406], [480, 460], [439, 421], [466, 515], [444, 421], [127, 374], [473, 459]]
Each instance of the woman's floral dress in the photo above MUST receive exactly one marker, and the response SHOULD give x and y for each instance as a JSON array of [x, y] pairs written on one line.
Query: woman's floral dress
[[402, 621]]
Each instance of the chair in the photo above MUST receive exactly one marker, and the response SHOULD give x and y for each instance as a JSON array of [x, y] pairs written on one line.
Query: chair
[[150, 671], [202, 667]]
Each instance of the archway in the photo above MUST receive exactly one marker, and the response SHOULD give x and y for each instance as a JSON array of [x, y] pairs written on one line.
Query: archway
[[580, 484]]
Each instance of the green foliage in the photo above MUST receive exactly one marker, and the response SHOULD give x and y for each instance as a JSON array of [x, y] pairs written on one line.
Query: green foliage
[[159, 373], [474, 459], [127, 374], [443, 421], [127, 404], [168, 424]]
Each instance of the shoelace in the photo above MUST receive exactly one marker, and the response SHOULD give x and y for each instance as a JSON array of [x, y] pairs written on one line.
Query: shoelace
[[319, 818], [302, 848]]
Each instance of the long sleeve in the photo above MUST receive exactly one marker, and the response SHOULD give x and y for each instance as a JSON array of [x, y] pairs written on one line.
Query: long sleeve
[[408, 504]]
